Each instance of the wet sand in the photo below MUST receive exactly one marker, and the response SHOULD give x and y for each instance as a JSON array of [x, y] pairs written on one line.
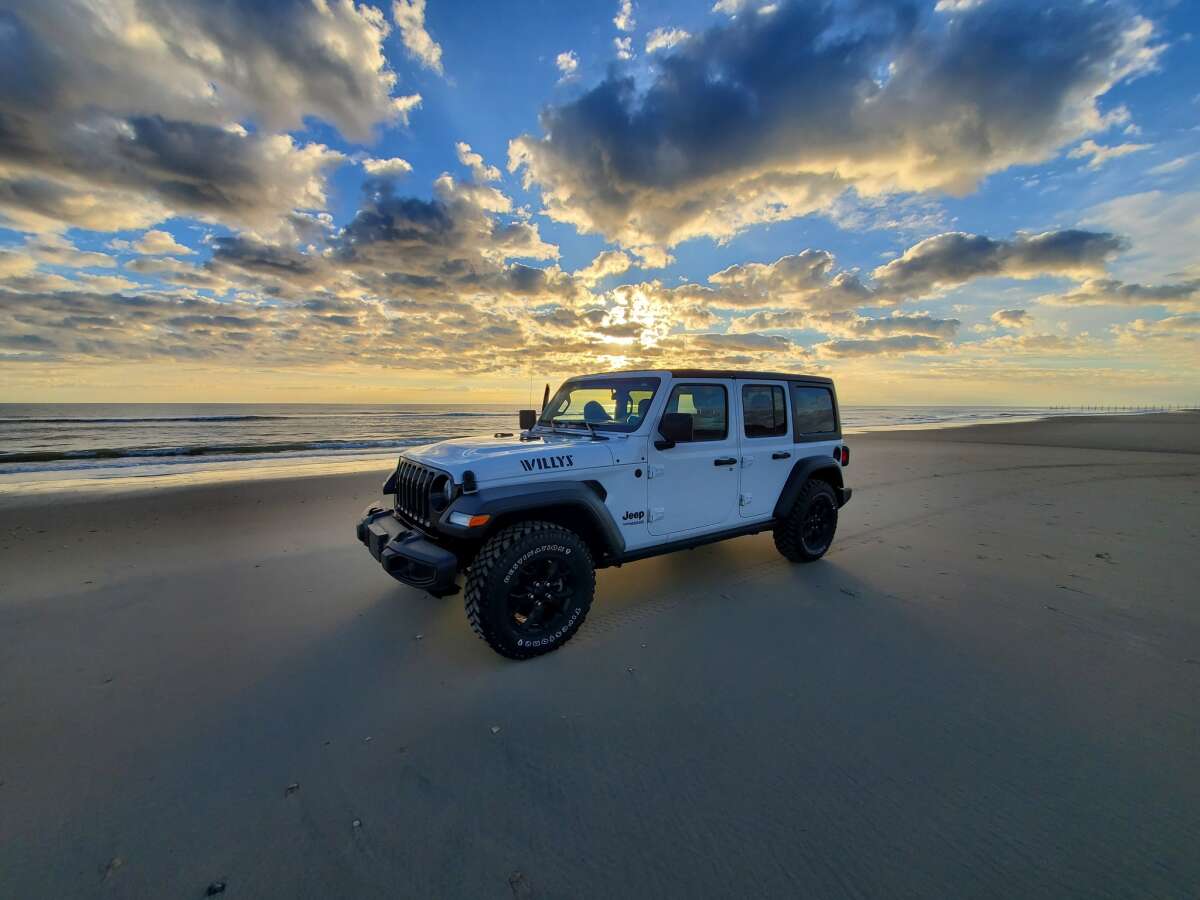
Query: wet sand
[[989, 688]]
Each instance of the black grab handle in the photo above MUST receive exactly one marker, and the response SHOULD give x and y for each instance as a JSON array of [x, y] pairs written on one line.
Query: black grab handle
[[725, 461], [781, 454]]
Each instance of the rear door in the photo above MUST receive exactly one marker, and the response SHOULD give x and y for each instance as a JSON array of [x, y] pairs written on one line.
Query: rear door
[[694, 485], [767, 446]]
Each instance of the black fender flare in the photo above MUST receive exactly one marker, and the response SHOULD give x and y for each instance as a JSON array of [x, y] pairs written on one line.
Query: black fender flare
[[804, 469], [502, 501]]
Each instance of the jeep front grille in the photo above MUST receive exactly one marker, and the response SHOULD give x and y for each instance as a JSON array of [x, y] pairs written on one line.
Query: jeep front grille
[[413, 485]]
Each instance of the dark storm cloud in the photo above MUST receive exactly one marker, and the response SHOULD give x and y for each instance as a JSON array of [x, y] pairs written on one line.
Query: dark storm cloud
[[769, 116]]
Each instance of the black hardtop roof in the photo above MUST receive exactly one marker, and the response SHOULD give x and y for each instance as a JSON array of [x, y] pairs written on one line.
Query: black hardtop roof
[[740, 374]]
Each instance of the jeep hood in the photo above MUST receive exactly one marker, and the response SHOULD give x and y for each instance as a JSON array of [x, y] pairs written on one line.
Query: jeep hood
[[492, 458]]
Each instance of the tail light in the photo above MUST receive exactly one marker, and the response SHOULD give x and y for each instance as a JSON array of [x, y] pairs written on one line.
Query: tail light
[[845, 455]]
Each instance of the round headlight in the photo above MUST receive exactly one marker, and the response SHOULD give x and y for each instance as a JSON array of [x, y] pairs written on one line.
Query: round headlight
[[448, 489]]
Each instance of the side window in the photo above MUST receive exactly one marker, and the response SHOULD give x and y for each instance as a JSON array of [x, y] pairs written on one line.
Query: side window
[[812, 410], [763, 411], [708, 407]]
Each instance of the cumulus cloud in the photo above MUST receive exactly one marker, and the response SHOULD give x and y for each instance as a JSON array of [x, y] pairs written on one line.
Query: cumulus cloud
[[1098, 154], [725, 136], [1011, 318], [409, 16], [124, 113], [665, 39], [805, 279], [1113, 292], [402, 107], [567, 62], [480, 170], [606, 263], [624, 20], [387, 168], [624, 47], [1182, 332], [948, 260], [159, 243]]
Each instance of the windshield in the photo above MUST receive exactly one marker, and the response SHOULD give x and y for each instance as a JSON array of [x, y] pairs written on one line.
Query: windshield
[[605, 404]]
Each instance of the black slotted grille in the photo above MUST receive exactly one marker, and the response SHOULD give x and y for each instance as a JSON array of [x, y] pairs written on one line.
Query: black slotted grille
[[413, 484]]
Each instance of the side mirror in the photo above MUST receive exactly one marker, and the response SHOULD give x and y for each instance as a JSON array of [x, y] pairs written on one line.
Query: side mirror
[[528, 418], [676, 428]]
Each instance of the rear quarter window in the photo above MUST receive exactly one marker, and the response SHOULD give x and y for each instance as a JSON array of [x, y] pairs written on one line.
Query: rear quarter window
[[813, 412]]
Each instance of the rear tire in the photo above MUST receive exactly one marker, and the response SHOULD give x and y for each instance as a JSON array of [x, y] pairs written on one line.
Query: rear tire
[[529, 588], [807, 531]]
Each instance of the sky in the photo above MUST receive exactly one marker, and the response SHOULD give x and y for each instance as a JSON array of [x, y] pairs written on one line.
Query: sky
[[966, 201]]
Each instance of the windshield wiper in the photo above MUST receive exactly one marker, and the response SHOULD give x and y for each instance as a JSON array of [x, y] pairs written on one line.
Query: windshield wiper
[[590, 426]]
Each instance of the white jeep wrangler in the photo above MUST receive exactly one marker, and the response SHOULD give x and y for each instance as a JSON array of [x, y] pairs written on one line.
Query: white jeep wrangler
[[618, 466]]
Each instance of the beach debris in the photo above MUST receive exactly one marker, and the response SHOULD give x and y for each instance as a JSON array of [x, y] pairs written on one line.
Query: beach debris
[[357, 823], [291, 789], [848, 592], [113, 865], [519, 885], [420, 637], [629, 669], [1107, 557], [495, 729], [214, 888], [643, 645], [367, 739]]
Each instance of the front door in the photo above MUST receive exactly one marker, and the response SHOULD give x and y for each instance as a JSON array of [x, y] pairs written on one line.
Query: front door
[[694, 485], [768, 451]]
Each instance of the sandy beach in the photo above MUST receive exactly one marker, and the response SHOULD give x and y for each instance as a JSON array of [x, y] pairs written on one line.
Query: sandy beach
[[990, 687]]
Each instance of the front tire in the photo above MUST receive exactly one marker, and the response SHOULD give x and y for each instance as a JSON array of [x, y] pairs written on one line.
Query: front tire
[[807, 531], [529, 588]]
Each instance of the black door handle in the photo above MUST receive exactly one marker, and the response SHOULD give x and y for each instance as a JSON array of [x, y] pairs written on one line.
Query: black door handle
[[725, 461], [781, 454]]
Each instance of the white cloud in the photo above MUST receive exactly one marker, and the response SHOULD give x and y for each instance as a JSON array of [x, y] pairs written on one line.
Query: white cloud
[[665, 39], [567, 62], [1172, 166], [624, 47], [624, 19], [606, 263], [480, 170], [160, 243], [409, 16], [1098, 154], [402, 107], [387, 168]]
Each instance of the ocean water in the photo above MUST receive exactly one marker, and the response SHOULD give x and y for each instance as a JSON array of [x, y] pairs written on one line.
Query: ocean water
[[77, 439]]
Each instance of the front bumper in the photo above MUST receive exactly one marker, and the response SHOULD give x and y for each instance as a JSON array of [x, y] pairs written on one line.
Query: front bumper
[[407, 555]]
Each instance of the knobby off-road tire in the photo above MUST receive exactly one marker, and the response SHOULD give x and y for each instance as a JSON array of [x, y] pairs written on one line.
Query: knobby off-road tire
[[529, 588], [807, 531]]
